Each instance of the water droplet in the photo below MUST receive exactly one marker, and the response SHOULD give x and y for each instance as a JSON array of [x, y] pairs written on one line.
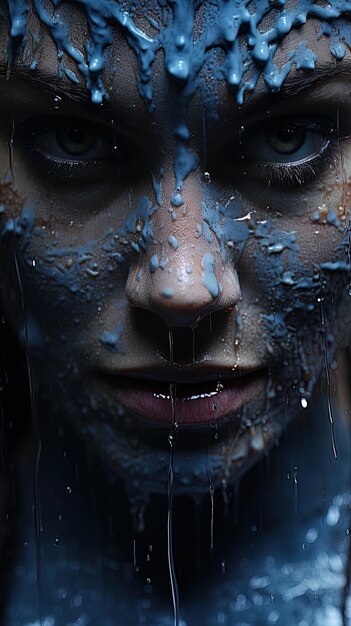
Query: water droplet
[[295, 474], [57, 102], [311, 535], [304, 403], [333, 516], [68, 490]]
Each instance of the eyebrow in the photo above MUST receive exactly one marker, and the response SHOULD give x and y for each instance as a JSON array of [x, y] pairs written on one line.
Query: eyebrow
[[296, 82], [50, 82]]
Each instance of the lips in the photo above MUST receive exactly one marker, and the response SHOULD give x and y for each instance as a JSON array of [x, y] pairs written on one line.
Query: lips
[[196, 403]]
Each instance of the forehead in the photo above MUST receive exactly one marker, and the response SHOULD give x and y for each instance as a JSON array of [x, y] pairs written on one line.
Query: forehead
[[239, 43]]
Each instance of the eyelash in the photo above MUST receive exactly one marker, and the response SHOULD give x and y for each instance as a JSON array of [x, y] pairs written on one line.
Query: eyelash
[[89, 172], [75, 171], [294, 175], [124, 163]]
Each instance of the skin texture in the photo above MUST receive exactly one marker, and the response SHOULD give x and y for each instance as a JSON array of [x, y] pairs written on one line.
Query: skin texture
[[110, 286], [95, 309]]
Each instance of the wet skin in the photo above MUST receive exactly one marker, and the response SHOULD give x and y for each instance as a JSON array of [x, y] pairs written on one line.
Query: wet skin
[[245, 272]]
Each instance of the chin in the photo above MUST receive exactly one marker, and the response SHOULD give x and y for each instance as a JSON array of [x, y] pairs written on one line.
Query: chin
[[211, 455]]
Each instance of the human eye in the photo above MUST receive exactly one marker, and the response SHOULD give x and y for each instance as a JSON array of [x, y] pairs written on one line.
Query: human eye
[[289, 151], [74, 150]]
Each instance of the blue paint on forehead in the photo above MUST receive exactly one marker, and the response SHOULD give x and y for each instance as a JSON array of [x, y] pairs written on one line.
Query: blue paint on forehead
[[185, 54], [188, 33]]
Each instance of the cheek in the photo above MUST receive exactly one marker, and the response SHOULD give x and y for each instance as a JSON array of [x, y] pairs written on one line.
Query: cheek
[[297, 281]]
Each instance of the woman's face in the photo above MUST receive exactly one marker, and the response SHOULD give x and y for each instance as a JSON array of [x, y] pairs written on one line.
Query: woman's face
[[174, 217]]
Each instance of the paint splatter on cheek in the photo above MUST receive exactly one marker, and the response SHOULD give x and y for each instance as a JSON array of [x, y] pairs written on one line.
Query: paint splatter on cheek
[[235, 44]]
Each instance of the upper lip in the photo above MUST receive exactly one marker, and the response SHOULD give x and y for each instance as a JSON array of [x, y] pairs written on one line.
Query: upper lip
[[183, 375]]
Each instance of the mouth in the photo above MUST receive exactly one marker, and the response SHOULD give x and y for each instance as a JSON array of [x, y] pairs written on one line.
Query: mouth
[[187, 403]]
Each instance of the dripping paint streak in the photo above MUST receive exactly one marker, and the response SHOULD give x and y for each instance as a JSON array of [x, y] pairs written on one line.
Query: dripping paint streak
[[296, 491], [212, 508], [37, 515], [327, 375], [171, 345], [172, 573], [134, 556], [326, 368]]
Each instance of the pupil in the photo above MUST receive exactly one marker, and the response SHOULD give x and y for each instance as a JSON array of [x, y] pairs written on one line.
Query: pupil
[[287, 139], [76, 135], [287, 133]]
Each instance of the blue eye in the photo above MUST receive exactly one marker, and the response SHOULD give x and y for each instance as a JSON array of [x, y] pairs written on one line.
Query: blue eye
[[69, 139], [76, 139], [287, 142], [77, 151]]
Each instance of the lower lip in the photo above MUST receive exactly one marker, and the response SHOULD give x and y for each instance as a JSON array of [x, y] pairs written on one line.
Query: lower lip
[[205, 406]]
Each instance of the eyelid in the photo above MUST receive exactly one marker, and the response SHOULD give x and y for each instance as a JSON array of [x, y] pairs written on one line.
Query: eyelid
[[233, 162], [333, 92], [41, 123], [65, 168], [314, 123]]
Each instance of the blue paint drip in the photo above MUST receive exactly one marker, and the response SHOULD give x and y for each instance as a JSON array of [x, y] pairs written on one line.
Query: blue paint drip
[[154, 263], [22, 226], [227, 225], [167, 293], [305, 57], [338, 50], [249, 49], [140, 216], [111, 339], [173, 241], [336, 266], [209, 279], [18, 25]]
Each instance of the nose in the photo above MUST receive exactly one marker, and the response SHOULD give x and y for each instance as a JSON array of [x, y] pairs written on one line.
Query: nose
[[182, 277]]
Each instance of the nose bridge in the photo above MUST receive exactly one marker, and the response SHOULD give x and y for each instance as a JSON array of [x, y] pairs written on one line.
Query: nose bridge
[[182, 277]]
